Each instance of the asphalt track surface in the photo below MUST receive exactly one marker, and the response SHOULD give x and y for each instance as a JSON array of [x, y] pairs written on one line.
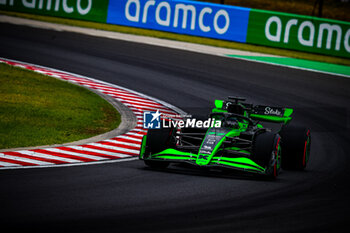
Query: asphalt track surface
[[127, 197]]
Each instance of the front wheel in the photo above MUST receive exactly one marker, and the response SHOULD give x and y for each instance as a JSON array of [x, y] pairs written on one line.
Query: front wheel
[[154, 142], [266, 152]]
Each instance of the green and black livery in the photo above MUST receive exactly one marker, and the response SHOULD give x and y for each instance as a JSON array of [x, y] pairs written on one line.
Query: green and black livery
[[240, 143]]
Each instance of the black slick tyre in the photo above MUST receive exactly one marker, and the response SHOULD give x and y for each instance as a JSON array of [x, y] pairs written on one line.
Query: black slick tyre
[[296, 143], [158, 140], [266, 152]]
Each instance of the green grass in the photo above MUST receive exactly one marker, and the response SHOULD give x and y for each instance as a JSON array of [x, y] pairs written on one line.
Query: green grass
[[185, 38], [40, 110]]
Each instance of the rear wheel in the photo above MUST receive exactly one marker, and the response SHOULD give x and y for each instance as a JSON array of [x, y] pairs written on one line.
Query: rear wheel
[[296, 143], [157, 140], [266, 152]]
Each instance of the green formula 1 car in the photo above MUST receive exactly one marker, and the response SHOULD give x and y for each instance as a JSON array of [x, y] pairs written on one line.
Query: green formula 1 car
[[240, 142]]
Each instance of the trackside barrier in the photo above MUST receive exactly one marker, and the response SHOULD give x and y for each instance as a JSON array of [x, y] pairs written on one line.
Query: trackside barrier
[[245, 25], [183, 17], [90, 10], [298, 32]]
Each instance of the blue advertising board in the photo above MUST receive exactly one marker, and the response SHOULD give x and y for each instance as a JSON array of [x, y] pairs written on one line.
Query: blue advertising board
[[183, 17]]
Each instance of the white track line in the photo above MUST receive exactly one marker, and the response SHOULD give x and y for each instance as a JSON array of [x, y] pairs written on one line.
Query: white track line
[[16, 166]]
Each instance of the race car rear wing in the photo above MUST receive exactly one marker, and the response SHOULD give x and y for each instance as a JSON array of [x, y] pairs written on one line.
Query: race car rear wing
[[258, 112], [271, 114]]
